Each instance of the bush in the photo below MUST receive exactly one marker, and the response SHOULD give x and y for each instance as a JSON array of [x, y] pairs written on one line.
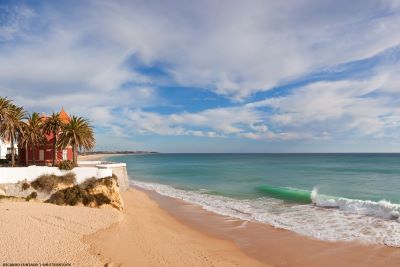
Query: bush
[[25, 186], [89, 183], [66, 165], [76, 195], [68, 178], [93, 181], [47, 183], [32, 195]]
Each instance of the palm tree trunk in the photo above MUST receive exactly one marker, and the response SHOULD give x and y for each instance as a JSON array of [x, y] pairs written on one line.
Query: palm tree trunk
[[34, 155], [55, 148], [26, 154], [12, 153], [75, 154]]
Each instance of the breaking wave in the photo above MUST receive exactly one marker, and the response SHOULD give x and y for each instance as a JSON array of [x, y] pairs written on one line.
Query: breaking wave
[[305, 212]]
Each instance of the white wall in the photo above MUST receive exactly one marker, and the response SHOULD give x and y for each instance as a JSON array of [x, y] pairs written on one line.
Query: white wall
[[119, 169], [3, 149], [13, 175]]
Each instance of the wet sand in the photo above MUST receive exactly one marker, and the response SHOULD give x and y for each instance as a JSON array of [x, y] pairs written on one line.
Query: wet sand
[[278, 247], [263, 243]]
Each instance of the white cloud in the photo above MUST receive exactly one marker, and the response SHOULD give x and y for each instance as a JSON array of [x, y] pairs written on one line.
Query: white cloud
[[238, 121], [234, 48], [237, 48], [77, 56], [333, 108]]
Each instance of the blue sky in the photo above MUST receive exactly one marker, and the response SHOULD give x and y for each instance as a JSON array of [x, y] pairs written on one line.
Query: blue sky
[[211, 76]]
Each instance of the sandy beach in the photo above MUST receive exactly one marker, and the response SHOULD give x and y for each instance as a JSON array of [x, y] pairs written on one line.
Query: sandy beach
[[158, 231], [96, 157], [176, 223], [149, 236], [274, 246], [143, 235], [155, 230], [33, 232]]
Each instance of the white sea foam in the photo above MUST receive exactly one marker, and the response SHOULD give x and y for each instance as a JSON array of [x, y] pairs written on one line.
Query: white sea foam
[[383, 209], [330, 219]]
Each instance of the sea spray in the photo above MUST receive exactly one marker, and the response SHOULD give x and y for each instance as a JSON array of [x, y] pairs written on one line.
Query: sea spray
[[382, 209]]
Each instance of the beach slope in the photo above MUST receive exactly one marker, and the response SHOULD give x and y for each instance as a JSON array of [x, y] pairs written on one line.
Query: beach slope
[[149, 236]]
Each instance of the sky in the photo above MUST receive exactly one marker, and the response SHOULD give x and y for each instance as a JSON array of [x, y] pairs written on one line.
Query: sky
[[211, 76]]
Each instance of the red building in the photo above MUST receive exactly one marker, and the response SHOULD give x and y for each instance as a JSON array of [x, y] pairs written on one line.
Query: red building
[[44, 153]]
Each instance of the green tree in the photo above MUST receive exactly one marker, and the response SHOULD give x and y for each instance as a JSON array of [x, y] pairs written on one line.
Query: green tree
[[33, 133], [11, 127], [79, 134], [53, 125], [4, 109]]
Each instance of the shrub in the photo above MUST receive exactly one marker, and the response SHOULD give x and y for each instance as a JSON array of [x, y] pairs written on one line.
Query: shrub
[[66, 165], [69, 196], [89, 183], [32, 195], [7, 197], [25, 186], [76, 195], [47, 183], [93, 181], [68, 178]]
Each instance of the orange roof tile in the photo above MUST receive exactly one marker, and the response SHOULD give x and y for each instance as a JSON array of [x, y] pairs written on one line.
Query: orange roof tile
[[65, 118]]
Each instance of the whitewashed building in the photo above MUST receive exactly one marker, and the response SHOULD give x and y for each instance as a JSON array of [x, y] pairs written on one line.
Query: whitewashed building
[[5, 148]]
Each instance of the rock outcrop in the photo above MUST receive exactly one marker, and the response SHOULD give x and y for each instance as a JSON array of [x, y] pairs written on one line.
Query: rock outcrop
[[91, 193], [62, 190]]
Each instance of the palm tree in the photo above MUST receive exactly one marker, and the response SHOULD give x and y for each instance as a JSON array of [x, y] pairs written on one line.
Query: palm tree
[[4, 108], [53, 125], [33, 133], [79, 134], [23, 141], [12, 126]]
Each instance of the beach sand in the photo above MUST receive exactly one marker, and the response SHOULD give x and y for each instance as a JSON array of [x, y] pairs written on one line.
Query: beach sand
[[163, 231], [278, 247], [33, 232], [149, 236], [154, 230], [96, 157]]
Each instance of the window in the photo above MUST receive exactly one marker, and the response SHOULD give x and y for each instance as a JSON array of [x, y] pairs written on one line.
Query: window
[[41, 154], [64, 154]]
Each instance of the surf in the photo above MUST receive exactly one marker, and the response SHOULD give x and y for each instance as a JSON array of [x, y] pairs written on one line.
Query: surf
[[383, 209], [287, 194]]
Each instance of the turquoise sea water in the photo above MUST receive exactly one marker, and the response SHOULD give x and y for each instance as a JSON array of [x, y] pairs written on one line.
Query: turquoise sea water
[[325, 196]]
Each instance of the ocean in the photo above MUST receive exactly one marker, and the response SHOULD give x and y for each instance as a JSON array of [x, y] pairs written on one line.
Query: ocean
[[332, 197]]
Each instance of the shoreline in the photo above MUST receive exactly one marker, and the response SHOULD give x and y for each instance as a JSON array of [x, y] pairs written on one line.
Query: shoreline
[[264, 243], [99, 157], [275, 246], [155, 230]]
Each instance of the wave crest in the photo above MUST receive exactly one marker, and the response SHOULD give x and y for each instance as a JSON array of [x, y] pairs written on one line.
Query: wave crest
[[327, 218], [383, 208]]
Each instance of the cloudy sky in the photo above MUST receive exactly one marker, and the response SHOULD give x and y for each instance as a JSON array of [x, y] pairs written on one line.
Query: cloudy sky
[[211, 76]]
